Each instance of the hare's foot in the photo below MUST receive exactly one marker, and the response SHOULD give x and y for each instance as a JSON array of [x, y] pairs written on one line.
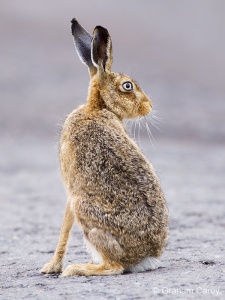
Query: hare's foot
[[93, 270], [52, 267]]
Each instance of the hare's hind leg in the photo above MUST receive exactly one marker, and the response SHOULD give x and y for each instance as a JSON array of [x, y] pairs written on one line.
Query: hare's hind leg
[[105, 268], [109, 250], [56, 263]]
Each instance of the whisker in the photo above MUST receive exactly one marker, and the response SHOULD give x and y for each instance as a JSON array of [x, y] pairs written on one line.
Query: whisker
[[139, 132], [155, 124], [157, 127], [141, 122], [126, 122], [134, 134], [154, 116], [150, 135], [154, 120]]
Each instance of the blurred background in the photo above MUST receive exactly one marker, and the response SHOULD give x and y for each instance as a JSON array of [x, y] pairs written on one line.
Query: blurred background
[[176, 51]]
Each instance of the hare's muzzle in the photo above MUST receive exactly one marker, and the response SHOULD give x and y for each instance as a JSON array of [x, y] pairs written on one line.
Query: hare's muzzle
[[145, 107]]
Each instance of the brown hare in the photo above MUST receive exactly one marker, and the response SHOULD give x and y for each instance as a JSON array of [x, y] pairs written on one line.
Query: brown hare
[[112, 190]]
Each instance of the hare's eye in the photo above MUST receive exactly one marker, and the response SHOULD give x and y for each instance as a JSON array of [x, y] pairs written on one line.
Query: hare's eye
[[128, 86]]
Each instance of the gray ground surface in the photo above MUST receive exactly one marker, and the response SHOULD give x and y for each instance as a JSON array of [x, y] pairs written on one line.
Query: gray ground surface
[[40, 82]]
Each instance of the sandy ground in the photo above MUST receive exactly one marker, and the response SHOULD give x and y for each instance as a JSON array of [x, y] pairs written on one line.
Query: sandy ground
[[41, 81], [32, 212]]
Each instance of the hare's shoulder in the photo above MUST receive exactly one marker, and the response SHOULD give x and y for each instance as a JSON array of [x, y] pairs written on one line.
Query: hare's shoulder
[[79, 124], [100, 130]]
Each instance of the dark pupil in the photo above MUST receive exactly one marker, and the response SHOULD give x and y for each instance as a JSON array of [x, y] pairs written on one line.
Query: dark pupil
[[127, 85]]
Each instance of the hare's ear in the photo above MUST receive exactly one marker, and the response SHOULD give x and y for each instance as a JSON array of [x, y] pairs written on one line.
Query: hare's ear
[[82, 42], [101, 49]]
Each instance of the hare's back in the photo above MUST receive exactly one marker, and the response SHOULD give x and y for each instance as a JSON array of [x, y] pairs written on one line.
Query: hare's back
[[111, 163]]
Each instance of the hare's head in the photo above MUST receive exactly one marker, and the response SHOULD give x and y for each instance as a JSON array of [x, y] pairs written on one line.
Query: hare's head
[[118, 92]]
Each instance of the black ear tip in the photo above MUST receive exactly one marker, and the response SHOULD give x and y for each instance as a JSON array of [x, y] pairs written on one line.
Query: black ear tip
[[100, 29], [73, 21], [101, 32]]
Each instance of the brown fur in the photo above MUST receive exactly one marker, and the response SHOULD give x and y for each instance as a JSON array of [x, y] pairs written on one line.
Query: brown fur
[[113, 191]]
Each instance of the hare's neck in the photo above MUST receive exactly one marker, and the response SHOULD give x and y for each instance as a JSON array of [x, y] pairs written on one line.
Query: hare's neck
[[95, 101]]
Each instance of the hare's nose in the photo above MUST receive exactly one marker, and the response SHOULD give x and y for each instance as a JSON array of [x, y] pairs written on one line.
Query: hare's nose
[[149, 101]]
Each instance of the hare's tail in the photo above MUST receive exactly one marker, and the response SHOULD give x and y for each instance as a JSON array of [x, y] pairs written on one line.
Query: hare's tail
[[147, 264]]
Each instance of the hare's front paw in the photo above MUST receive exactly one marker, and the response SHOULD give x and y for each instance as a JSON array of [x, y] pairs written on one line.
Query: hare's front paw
[[52, 267]]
